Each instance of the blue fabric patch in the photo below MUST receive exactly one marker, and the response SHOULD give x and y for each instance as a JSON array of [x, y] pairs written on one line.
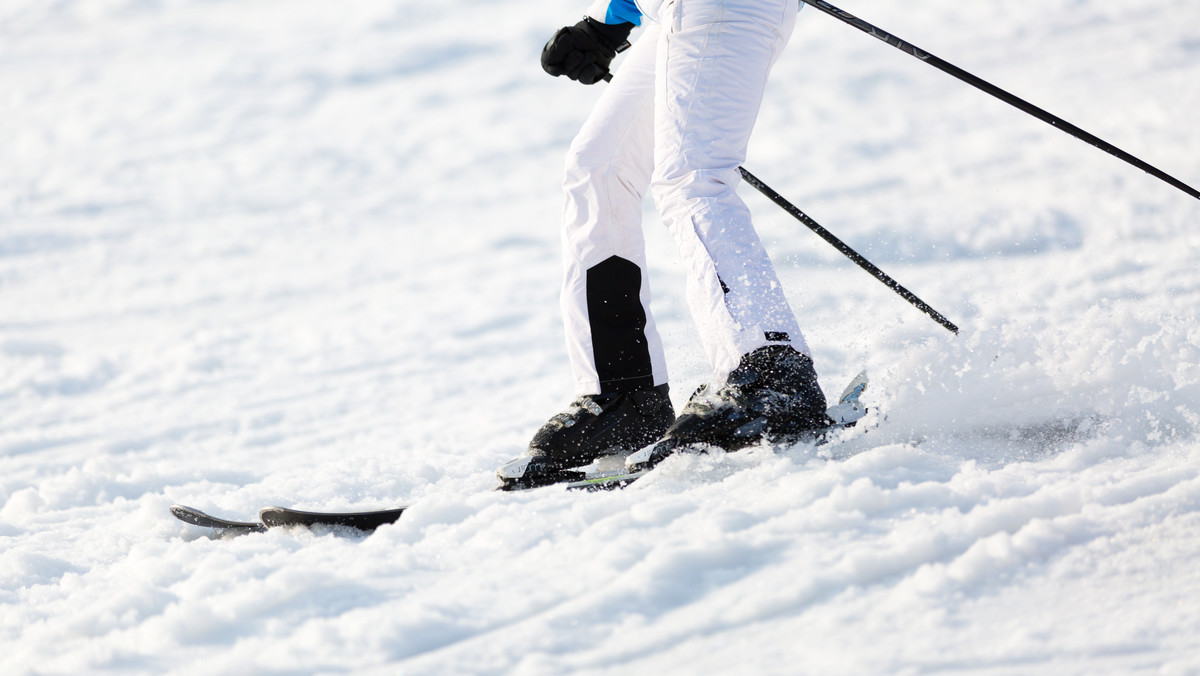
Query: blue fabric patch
[[623, 11]]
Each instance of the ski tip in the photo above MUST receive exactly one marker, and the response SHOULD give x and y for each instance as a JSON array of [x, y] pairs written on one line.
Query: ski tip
[[854, 390], [183, 512], [848, 409], [195, 517]]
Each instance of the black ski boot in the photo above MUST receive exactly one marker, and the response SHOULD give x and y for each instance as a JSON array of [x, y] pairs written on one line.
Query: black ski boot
[[592, 426], [772, 395]]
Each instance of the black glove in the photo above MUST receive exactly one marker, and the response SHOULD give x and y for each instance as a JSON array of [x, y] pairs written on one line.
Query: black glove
[[584, 51]]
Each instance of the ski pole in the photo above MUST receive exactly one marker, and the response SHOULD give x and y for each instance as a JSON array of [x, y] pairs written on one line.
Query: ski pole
[[847, 251], [985, 86]]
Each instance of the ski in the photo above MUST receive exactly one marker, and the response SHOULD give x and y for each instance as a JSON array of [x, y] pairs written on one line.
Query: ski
[[278, 517], [843, 414]]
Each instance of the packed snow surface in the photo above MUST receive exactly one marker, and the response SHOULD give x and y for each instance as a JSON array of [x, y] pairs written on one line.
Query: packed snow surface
[[305, 253]]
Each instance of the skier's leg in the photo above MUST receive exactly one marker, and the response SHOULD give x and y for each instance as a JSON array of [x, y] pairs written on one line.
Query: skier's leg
[[612, 341], [615, 352], [713, 61]]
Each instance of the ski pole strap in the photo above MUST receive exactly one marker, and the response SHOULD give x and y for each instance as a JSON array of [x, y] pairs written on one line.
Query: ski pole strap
[[847, 251], [1015, 101], [607, 77]]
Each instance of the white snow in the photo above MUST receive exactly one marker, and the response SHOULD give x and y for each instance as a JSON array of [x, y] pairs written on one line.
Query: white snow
[[306, 253]]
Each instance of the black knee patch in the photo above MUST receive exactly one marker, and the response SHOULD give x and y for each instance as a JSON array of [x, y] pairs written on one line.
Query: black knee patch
[[618, 323]]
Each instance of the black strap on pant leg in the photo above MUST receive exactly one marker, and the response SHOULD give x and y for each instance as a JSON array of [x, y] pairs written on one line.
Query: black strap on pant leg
[[618, 324]]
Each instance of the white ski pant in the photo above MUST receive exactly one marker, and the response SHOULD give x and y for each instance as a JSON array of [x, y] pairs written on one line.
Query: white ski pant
[[676, 119]]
